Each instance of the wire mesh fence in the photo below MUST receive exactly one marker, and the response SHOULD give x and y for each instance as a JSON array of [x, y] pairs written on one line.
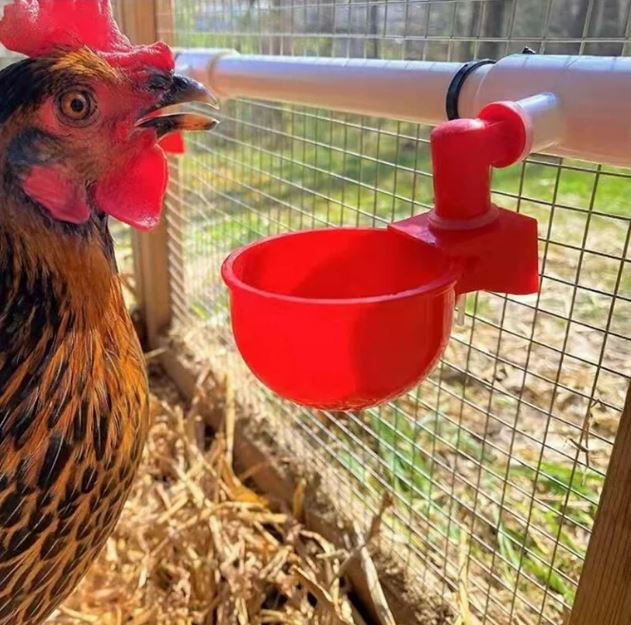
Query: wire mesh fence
[[497, 460]]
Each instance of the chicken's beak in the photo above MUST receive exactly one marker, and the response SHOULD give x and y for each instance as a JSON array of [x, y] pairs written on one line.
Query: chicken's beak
[[168, 117]]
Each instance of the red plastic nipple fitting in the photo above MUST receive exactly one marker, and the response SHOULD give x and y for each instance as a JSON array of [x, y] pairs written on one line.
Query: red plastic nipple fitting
[[496, 249]]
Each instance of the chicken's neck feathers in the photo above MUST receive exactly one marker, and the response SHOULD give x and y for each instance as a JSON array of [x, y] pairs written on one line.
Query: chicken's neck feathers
[[73, 412], [68, 350]]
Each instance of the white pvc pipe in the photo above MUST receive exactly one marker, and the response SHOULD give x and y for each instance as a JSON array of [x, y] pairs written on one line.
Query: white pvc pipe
[[412, 91], [579, 106], [545, 121], [593, 93]]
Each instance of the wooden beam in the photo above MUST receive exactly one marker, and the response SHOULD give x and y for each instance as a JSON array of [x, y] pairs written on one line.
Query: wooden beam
[[176, 222], [139, 18], [165, 16], [604, 591]]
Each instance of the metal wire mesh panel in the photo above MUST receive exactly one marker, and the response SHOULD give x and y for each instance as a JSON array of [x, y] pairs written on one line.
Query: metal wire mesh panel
[[497, 460]]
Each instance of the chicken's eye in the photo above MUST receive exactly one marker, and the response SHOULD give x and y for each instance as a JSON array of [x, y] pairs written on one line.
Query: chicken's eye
[[76, 106]]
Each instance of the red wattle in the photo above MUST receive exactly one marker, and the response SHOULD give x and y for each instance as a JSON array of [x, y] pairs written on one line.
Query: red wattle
[[173, 143], [134, 192]]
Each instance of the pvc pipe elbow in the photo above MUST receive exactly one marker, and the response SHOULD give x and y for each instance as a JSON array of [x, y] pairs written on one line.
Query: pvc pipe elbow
[[465, 150]]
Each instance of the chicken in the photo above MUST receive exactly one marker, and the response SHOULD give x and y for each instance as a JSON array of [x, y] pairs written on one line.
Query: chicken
[[80, 122]]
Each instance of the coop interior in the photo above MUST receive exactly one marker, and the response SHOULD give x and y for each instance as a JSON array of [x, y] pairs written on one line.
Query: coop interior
[[470, 499]]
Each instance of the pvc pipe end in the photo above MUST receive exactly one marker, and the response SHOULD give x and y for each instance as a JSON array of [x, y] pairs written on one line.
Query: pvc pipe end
[[514, 141]]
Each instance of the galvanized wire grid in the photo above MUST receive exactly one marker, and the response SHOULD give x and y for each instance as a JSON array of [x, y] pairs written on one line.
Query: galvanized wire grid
[[498, 459]]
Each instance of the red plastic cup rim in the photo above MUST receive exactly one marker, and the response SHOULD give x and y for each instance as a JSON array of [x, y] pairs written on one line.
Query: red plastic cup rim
[[445, 282]]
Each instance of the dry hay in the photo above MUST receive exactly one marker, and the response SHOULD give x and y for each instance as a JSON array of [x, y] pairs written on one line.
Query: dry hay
[[196, 546]]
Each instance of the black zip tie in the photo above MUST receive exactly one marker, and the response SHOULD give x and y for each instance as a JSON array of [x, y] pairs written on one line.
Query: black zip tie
[[453, 92]]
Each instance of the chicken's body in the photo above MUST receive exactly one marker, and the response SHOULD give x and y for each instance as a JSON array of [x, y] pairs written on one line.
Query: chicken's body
[[73, 410], [79, 133]]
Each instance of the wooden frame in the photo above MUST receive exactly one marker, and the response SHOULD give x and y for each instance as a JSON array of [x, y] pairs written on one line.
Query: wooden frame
[[604, 591], [144, 21]]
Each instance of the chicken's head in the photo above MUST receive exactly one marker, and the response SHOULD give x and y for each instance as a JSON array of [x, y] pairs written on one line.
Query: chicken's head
[[82, 118]]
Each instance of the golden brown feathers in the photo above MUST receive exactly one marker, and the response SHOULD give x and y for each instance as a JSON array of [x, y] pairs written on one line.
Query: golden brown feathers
[[73, 412]]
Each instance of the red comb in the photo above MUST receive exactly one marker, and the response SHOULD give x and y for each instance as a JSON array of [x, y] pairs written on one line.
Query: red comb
[[38, 27]]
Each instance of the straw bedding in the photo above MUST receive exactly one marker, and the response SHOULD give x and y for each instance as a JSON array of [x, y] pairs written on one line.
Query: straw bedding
[[196, 546]]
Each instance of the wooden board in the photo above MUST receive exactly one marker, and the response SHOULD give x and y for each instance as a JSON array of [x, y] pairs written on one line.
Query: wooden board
[[604, 592], [141, 21]]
